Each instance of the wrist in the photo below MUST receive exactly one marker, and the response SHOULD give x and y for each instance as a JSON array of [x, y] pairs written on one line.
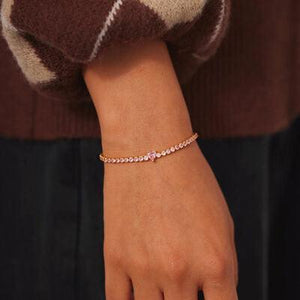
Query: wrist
[[138, 99]]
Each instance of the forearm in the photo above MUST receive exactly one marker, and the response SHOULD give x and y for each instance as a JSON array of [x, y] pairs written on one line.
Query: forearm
[[138, 99]]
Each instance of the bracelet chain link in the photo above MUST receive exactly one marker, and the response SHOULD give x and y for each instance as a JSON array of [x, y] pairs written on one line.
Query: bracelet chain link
[[150, 156]]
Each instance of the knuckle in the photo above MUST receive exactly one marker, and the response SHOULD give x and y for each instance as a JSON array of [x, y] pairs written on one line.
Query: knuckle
[[175, 267], [140, 265], [176, 272], [219, 268], [112, 255]]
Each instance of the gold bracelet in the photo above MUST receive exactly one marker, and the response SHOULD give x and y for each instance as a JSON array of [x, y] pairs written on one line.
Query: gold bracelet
[[150, 156]]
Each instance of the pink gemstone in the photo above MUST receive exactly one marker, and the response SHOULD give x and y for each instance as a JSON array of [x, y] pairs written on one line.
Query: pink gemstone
[[168, 151], [152, 155], [177, 147]]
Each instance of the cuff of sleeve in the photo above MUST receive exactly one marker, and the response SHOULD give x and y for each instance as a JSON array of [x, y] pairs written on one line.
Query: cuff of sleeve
[[51, 39]]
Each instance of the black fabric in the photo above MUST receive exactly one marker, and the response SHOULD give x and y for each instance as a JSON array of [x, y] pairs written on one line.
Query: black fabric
[[51, 224], [50, 220]]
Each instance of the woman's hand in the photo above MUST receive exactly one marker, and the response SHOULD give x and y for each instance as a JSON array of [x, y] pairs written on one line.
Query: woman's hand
[[168, 231]]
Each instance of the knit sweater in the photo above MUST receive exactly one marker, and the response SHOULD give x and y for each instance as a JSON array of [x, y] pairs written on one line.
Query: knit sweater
[[52, 39], [250, 87]]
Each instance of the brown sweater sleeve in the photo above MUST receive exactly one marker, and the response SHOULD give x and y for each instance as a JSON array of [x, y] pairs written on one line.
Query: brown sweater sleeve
[[52, 39]]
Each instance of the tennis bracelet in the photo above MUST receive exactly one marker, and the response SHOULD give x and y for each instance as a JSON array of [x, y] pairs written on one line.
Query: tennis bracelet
[[150, 156]]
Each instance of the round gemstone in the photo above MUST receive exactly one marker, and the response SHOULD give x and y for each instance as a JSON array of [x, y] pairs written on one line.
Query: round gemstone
[[126, 160], [131, 159], [163, 153], [180, 145], [141, 158], [117, 160], [136, 159], [168, 151], [158, 155], [177, 147], [122, 160], [172, 149], [113, 160], [146, 158]]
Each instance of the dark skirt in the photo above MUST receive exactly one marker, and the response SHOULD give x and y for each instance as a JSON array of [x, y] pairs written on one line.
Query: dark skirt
[[51, 225]]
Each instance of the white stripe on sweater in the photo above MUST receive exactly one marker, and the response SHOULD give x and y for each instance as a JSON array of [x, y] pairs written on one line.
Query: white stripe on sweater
[[108, 22], [218, 27], [219, 24], [6, 9]]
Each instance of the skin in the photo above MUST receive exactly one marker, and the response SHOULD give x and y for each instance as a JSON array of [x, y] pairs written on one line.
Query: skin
[[168, 230]]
